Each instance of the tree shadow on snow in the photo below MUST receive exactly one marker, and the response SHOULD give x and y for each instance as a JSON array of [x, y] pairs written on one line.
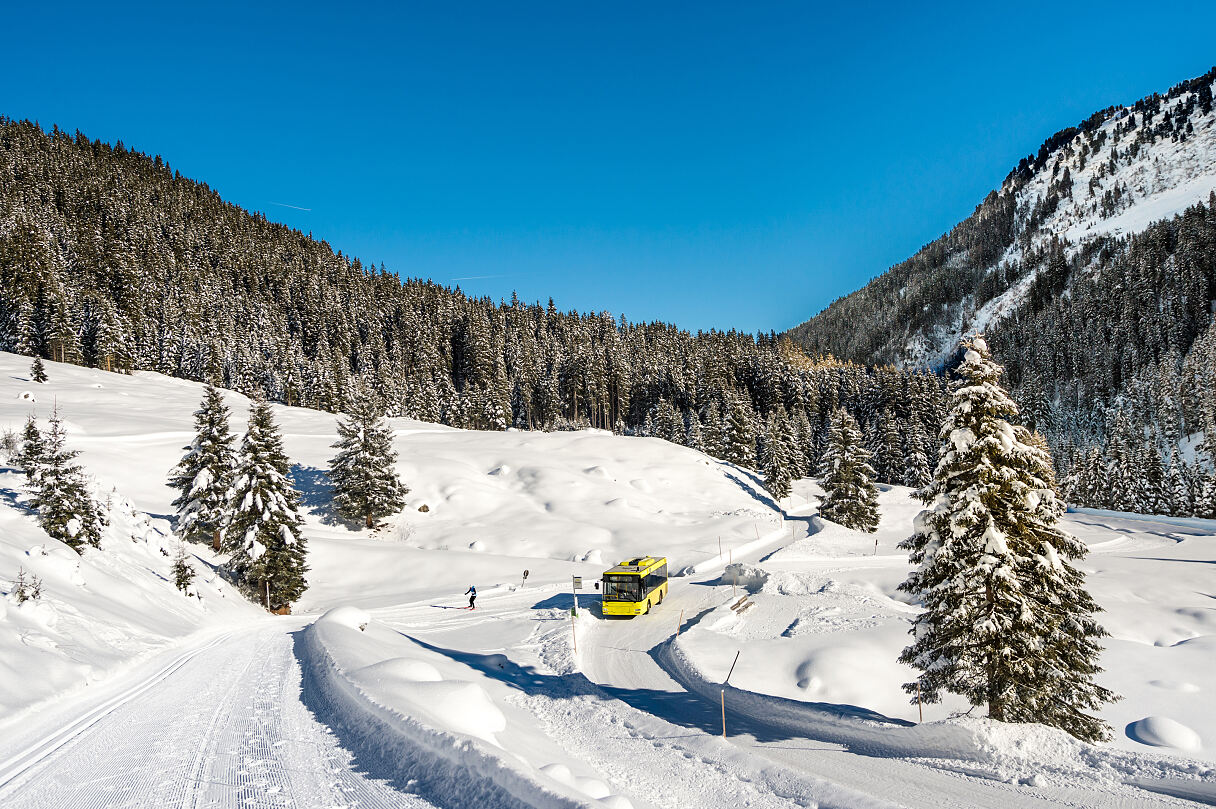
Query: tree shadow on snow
[[752, 484], [317, 495], [11, 497]]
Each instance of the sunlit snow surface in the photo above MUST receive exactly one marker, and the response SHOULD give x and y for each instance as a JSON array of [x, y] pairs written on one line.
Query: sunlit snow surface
[[401, 698]]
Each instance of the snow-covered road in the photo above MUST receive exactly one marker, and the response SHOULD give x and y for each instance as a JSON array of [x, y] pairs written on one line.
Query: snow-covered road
[[222, 725], [620, 658]]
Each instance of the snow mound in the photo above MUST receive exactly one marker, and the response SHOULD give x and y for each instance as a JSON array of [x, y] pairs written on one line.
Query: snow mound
[[399, 668], [748, 577], [1161, 731], [464, 707], [592, 787], [352, 617]]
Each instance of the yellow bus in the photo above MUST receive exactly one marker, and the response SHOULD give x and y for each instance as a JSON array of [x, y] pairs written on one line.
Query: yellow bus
[[634, 586]]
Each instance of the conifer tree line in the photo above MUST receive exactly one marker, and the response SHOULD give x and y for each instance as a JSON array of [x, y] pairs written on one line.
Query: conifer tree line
[[243, 502], [110, 259]]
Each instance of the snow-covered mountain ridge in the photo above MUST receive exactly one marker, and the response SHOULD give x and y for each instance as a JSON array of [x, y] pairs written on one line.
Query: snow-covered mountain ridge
[[1120, 171]]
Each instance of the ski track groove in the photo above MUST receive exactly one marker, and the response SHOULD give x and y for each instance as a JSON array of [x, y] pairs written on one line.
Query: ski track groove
[[224, 728]]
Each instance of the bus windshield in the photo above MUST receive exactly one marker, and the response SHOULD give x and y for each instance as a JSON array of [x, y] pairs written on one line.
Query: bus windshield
[[622, 588]]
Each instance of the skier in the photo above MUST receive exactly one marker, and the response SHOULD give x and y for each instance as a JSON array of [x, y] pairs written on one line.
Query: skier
[[472, 594]]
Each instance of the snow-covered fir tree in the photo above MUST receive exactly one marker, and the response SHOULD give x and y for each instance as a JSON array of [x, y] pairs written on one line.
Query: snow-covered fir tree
[[66, 508], [1177, 488], [917, 473], [183, 573], [693, 436], [38, 370], [1007, 621], [204, 474], [32, 451], [366, 484], [739, 433], [850, 496], [261, 530], [775, 464]]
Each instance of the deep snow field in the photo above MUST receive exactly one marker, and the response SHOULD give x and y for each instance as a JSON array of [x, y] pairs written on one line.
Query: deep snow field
[[395, 697]]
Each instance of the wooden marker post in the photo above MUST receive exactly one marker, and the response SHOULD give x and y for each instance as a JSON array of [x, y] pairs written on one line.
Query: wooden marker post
[[681, 623]]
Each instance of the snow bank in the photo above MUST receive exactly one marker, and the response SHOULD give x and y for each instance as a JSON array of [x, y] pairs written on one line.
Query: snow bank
[[411, 713]]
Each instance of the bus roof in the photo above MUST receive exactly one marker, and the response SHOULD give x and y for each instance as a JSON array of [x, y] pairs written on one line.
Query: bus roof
[[639, 565]]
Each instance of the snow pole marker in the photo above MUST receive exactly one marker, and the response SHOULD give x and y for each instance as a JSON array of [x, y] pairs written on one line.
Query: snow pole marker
[[573, 634], [679, 623], [723, 714], [723, 693]]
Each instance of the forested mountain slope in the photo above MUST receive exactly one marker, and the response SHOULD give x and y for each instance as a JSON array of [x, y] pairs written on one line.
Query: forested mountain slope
[[1093, 272], [110, 259], [1063, 208]]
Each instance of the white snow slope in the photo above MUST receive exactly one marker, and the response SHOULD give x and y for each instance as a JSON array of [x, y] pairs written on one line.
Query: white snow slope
[[117, 690]]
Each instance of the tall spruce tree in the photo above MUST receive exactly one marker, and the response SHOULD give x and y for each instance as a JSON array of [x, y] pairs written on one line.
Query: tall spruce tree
[[262, 526], [776, 460], [850, 496], [739, 433], [1007, 621], [204, 474], [38, 370], [917, 472], [366, 485], [66, 508]]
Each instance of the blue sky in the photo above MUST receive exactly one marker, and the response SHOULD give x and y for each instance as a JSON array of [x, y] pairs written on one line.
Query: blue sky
[[733, 165]]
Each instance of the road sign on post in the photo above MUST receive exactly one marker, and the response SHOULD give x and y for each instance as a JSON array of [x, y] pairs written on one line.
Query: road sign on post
[[578, 585]]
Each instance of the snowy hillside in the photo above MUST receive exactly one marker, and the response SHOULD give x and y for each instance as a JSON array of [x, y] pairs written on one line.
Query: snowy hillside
[[396, 697], [1104, 182], [497, 504], [1113, 176]]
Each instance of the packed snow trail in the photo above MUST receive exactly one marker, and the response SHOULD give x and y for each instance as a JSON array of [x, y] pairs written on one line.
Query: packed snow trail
[[220, 726]]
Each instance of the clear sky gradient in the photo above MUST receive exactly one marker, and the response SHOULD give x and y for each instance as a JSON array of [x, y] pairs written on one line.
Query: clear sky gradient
[[728, 165]]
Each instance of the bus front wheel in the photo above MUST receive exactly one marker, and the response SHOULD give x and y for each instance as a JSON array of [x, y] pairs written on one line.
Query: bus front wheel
[[647, 612]]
